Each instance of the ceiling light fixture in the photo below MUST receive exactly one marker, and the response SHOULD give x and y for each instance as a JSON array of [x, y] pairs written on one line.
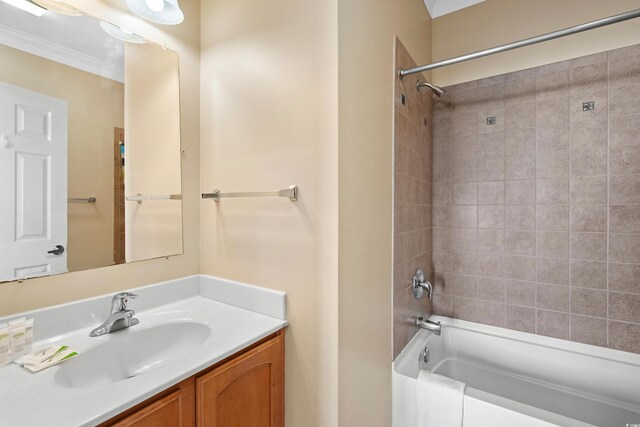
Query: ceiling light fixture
[[27, 6], [165, 12], [121, 33]]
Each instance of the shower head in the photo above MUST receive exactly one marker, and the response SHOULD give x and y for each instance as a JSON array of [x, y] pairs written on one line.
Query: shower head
[[438, 91]]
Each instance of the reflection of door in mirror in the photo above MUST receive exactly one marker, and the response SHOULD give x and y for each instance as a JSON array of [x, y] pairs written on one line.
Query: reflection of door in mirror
[[78, 61], [95, 107], [33, 183]]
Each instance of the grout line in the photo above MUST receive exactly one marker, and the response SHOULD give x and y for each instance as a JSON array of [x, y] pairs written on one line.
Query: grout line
[[570, 223], [608, 194], [535, 208]]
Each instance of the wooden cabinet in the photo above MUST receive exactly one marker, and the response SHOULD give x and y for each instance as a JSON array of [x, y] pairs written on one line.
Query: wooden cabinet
[[246, 389]]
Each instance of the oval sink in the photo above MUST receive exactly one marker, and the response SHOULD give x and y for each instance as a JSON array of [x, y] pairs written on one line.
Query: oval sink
[[132, 352]]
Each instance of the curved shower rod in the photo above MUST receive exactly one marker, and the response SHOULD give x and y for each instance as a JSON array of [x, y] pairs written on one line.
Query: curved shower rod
[[526, 42]]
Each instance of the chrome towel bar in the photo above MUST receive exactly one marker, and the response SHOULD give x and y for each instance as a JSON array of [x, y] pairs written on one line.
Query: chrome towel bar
[[291, 193], [142, 198], [81, 199]]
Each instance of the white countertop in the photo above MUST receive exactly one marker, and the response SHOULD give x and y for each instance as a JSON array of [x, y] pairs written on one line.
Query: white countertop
[[238, 315]]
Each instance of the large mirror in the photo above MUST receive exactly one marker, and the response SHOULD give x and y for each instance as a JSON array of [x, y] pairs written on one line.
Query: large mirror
[[90, 160]]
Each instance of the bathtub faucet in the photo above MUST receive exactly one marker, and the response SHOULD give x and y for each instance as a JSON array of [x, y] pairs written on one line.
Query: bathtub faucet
[[429, 325]]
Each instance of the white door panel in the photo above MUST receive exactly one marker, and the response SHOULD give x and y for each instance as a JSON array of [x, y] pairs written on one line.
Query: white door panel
[[33, 183]]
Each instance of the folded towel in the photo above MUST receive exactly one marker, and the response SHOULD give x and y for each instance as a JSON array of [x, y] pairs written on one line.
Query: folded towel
[[440, 400]]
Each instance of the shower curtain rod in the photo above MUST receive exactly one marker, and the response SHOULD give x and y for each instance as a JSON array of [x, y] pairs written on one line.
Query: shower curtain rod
[[526, 42]]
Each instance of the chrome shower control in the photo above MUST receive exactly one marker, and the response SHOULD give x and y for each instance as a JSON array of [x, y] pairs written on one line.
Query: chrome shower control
[[420, 285]]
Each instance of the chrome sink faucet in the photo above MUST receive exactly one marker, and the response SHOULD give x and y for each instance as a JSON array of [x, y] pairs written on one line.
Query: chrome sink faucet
[[119, 318]]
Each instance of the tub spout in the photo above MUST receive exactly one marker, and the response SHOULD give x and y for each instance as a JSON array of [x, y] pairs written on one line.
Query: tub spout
[[429, 325]]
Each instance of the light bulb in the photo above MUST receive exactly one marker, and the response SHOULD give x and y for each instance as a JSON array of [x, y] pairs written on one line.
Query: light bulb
[[155, 5]]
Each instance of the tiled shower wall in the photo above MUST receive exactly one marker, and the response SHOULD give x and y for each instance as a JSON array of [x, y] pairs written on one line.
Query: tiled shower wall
[[536, 200], [412, 199]]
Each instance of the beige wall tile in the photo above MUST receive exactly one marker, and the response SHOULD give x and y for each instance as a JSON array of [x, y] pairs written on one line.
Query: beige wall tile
[[491, 289], [589, 162], [521, 293], [589, 78], [552, 244], [552, 297], [624, 277], [552, 163], [589, 246], [589, 330], [624, 307], [465, 309], [521, 318], [624, 71], [520, 192], [520, 217], [491, 240], [624, 336], [520, 267], [442, 305], [624, 131], [491, 216], [464, 216], [465, 193], [552, 217], [491, 313], [623, 101], [624, 248], [520, 242], [589, 217], [585, 135], [552, 270], [491, 265], [589, 302], [624, 160], [624, 189], [520, 141], [491, 168], [520, 166], [552, 324], [588, 274], [552, 191], [521, 91], [491, 193], [589, 190], [552, 85], [552, 124]]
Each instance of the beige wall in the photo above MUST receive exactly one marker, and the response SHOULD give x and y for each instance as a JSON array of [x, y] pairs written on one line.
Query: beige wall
[[269, 120], [495, 22], [184, 39], [152, 151], [366, 77], [96, 106]]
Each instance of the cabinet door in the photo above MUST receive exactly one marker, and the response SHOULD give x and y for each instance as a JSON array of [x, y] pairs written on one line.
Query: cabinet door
[[176, 408], [247, 391]]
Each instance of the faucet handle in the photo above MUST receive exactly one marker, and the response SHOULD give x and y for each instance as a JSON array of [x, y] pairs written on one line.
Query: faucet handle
[[420, 285], [120, 301]]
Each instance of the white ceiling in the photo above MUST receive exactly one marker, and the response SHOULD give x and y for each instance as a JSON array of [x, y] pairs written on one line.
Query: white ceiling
[[438, 8], [77, 41]]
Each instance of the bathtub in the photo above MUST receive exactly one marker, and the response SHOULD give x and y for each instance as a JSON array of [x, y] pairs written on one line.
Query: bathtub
[[519, 379]]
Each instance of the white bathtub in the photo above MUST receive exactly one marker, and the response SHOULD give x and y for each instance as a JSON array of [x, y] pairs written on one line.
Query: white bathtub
[[519, 379]]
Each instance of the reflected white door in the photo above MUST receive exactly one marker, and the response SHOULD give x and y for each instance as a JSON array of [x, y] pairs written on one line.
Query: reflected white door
[[33, 183]]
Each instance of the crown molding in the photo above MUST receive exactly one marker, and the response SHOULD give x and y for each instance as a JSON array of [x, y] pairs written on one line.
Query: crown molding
[[438, 8], [58, 53]]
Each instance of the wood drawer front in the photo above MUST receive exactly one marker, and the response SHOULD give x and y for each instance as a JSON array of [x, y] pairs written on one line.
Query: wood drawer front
[[245, 391]]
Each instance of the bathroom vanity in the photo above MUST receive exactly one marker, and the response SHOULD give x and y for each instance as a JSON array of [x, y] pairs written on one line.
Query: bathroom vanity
[[246, 389], [207, 352]]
